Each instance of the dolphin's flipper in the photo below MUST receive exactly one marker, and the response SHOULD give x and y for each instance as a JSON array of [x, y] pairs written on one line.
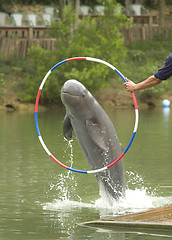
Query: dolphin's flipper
[[96, 135], [67, 128]]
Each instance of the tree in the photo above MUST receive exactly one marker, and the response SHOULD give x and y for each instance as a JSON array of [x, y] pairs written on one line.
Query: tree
[[4, 4], [139, 1], [77, 4], [161, 13], [100, 38], [127, 5]]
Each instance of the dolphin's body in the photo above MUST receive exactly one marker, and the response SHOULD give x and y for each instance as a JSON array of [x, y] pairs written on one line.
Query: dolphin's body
[[96, 136]]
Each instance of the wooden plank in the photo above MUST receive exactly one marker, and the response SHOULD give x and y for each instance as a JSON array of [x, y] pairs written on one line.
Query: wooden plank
[[159, 218], [152, 215], [129, 225]]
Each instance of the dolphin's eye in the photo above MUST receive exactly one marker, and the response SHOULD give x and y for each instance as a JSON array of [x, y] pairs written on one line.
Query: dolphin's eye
[[83, 95]]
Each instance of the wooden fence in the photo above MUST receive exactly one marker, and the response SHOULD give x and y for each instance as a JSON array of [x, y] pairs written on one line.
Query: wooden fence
[[19, 47], [17, 40], [146, 32]]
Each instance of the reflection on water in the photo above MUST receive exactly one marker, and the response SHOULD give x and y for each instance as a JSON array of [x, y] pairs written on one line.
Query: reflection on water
[[41, 200]]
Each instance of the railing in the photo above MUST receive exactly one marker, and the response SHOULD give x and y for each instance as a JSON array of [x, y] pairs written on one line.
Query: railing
[[24, 32], [17, 40]]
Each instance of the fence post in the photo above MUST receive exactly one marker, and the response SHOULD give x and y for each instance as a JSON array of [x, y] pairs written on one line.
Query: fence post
[[143, 35], [130, 37], [150, 26], [30, 33]]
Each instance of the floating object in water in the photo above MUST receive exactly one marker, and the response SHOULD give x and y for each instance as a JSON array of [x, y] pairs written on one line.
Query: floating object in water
[[155, 219], [166, 103], [36, 114]]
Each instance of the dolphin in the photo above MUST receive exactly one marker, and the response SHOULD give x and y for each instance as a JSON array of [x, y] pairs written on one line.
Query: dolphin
[[96, 136]]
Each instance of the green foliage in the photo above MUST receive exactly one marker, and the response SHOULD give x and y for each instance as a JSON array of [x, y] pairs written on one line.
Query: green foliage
[[5, 4], [100, 38], [2, 83], [151, 3], [42, 59], [24, 77], [9, 67], [143, 60], [168, 2]]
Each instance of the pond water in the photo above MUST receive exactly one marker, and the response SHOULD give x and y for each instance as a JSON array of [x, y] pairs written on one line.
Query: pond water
[[41, 200]]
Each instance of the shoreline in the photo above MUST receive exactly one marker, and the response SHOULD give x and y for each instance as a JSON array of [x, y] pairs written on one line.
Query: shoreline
[[105, 99]]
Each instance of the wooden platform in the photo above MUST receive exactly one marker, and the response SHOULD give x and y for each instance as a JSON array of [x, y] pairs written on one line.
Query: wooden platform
[[159, 218]]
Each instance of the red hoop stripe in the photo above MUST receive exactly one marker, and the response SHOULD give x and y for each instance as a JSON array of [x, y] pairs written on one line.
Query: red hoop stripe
[[134, 100], [37, 100], [110, 165], [76, 58], [61, 164]]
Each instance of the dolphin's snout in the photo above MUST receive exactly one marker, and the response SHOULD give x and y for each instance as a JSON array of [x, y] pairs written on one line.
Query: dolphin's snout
[[73, 88]]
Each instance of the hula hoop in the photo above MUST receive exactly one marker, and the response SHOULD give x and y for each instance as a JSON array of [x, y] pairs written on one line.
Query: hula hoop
[[36, 115]]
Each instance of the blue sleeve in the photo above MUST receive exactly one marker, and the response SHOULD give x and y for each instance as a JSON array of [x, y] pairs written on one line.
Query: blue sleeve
[[166, 71]]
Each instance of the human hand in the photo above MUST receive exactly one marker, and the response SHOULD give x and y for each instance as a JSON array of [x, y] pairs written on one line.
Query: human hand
[[130, 86]]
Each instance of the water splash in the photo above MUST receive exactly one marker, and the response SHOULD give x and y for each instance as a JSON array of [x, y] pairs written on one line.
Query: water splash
[[66, 181], [140, 198], [135, 181], [135, 201]]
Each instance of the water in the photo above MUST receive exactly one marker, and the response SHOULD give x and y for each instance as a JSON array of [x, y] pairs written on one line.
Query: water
[[41, 200]]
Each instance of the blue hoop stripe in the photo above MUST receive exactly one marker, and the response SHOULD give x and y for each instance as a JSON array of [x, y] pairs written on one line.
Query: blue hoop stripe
[[36, 123], [76, 170], [58, 64], [131, 140], [120, 74]]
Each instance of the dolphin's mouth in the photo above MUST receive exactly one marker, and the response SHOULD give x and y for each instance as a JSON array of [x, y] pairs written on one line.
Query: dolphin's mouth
[[64, 92]]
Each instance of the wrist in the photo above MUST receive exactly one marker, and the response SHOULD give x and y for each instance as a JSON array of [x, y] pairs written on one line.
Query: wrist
[[135, 87]]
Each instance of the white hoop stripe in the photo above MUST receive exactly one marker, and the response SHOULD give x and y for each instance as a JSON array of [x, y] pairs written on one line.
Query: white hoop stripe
[[97, 170], [44, 146], [100, 61], [36, 114], [44, 80], [136, 120]]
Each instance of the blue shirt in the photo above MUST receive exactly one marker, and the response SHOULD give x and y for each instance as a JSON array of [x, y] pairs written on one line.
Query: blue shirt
[[166, 71]]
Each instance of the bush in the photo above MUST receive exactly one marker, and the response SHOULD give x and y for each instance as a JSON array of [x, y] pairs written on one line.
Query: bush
[[99, 38]]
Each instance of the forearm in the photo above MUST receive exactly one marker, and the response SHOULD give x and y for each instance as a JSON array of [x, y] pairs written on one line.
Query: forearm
[[148, 83]]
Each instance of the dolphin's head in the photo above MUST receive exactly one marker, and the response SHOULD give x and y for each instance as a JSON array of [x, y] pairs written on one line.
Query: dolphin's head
[[74, 94]]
